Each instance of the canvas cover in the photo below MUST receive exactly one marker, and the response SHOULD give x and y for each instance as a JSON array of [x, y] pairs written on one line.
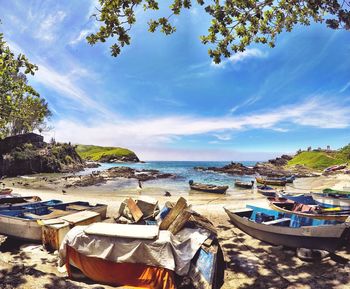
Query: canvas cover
[[167, 251], [120, 274]]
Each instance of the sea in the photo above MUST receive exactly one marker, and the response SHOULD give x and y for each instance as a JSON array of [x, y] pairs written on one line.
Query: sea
[[184, 171]]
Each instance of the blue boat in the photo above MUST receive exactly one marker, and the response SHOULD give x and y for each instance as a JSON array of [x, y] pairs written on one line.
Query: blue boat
[[300, 198], [290, 230], [21, 220]]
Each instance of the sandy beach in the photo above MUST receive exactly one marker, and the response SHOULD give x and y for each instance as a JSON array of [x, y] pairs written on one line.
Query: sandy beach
[[250, 262]]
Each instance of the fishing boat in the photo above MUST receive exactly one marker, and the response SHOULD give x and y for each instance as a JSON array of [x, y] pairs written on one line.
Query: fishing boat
[[335, 168], [245, 185], [273, 182], [208, 188], [335, 192], [5, 191], [310, 211], [305, 199], [21, 221], [4, 202], [289, 230], [266, 191], [329, 201]]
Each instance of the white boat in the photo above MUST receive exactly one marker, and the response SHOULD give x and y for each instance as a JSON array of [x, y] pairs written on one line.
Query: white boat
[[21, 222], [328, 201]]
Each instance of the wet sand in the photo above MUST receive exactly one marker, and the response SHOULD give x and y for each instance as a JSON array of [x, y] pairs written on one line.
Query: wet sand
[[250, 262]]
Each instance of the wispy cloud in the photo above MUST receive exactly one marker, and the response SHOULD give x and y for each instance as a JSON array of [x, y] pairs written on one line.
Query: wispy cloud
[[248, 102], [48, 27], [314, 112], [240, 56], [345, 87]]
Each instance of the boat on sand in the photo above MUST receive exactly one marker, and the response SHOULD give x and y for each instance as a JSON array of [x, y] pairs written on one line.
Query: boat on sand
[[208, 188], [289, 230], [22, 221], [310, 211], [273, 182], [245, 185]]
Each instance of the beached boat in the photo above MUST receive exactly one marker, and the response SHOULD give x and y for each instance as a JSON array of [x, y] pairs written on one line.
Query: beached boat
[[310, 211], [21, 221], [305, 199], [335, 192], [335, 168], [5, 191], [266, 191], [18, 200], [273, 182], [331, 201], [289, 230], [208, 188], [245, 185]]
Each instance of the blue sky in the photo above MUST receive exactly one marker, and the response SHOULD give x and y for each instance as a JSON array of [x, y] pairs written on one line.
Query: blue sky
[[163, 98]]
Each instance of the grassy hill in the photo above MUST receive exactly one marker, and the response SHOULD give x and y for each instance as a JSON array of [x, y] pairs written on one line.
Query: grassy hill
[[320, 160], [99, 153]]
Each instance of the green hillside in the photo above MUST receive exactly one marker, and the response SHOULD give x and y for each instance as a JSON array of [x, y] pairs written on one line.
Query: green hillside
[[320, 160], [98, 153]]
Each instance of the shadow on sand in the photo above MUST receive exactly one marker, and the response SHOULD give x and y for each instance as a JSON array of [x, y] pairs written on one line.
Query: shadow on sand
[[255, 264]]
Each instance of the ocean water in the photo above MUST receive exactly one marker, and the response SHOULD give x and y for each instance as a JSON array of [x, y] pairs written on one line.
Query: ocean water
[[184, 170]]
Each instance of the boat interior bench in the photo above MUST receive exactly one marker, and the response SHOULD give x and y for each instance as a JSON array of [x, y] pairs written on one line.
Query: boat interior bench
[[278, 222], [77, 207]]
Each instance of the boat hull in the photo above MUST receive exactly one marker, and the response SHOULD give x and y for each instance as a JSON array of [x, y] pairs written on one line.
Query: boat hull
[[244, 185], [219, 190], [271, 182], [329, 237], [29, 229], [326, 201]]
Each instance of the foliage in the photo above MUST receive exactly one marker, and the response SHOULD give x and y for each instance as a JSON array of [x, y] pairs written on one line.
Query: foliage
[[235, 24], [95, 153], [320, 160], [22, 108]]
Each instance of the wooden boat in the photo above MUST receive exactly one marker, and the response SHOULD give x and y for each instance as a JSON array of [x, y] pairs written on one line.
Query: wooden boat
[[310, 211], [335, 168], [245, 185], [5, 191], [208, 188], [21, 221], [273, 182], [289, 230], [331, 201], [335, 192], [305, 199], [266, 191], [18, 200]]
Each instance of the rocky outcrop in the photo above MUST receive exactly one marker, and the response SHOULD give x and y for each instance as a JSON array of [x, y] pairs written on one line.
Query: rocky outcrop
[[29, 154], [97, 178], [131, 158], [272, 168]]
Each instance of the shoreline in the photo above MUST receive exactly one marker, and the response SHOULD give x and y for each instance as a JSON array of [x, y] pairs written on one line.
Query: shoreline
[[250, 263]]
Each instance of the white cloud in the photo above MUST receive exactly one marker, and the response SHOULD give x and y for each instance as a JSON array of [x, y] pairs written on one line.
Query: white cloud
[[239, 57], [345, 87], [150, 132], [82, 35], [48, 26]]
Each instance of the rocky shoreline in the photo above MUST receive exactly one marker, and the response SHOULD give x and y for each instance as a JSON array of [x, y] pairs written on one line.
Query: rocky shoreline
[[272, 168], [101, 177]]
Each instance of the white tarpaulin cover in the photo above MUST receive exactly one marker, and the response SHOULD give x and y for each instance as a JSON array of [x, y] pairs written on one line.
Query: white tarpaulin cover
[[167, 251]]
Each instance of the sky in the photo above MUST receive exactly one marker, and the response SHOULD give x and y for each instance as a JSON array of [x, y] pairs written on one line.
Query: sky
[[165, 99]]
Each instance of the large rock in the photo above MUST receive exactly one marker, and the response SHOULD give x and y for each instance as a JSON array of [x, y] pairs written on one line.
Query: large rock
[[29, 154]]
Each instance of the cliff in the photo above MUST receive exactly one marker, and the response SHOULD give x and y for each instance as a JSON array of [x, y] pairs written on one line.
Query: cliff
[[106, 154], [29, 154]]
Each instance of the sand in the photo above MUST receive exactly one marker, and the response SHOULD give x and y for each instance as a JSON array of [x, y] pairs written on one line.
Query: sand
[[250, 262]]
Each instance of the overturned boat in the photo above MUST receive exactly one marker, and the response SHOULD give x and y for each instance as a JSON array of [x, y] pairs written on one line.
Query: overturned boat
[[289, 230]]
